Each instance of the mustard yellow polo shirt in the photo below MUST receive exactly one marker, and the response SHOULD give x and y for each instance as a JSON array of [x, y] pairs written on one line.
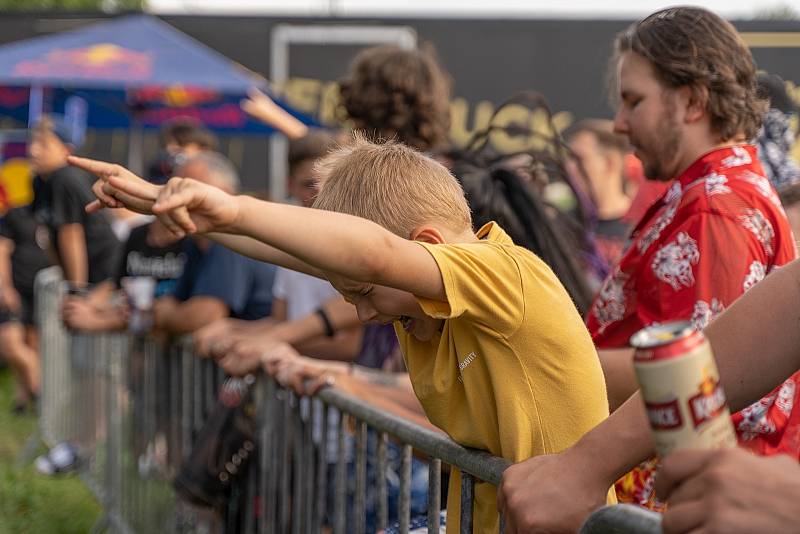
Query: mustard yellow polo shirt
[[513, 370]]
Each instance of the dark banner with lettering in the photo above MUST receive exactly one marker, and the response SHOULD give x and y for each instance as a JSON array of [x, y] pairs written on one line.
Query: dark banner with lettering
[[489, 61]]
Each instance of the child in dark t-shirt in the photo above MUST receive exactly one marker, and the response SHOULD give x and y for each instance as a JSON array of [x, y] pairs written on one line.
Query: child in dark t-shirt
[[150, 251], [83, 243]]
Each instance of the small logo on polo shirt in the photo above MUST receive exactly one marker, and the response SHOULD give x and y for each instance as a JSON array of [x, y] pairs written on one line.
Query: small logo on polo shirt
[[464, 364]]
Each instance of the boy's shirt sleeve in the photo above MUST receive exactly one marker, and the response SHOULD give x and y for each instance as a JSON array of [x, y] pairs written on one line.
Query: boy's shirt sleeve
[[482, 283]]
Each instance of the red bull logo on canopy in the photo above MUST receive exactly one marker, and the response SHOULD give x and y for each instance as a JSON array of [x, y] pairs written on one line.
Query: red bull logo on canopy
[[94, 62], [176, 96]]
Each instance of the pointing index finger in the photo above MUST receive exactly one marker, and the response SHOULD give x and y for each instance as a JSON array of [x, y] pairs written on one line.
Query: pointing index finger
[[101, 169]]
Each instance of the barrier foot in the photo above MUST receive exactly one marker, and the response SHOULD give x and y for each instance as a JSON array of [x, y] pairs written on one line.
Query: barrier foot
[[29, 449]]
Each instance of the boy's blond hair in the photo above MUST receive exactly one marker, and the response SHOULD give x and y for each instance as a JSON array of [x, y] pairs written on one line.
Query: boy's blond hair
[[390, 184]]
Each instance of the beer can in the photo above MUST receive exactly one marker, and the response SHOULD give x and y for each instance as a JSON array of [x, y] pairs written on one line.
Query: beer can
[[679, 381]]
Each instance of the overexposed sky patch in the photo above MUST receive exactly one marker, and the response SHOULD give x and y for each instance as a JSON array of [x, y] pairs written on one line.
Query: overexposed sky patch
[[462, 8]]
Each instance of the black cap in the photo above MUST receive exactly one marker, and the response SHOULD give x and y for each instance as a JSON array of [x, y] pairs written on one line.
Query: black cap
[[773, 88]]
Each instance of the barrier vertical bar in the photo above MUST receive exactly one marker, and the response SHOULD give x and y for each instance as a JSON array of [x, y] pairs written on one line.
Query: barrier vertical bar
[[174, 366], [383, 494], [297, 458], [340, 493], [404, 507], [309, 469], [273, 451], [467, 497], [262, 410], [286, 454], [186, 400], [361, 478], [434, 494], [320, 499], [250, 498]]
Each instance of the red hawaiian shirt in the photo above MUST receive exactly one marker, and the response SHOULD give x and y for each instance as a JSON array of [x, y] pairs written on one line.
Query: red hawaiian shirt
[[717, 231]]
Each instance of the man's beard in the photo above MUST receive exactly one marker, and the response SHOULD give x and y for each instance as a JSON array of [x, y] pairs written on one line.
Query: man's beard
[[662, 162]]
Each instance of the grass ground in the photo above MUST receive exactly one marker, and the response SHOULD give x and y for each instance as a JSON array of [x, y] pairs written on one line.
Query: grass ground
[[30, 502]]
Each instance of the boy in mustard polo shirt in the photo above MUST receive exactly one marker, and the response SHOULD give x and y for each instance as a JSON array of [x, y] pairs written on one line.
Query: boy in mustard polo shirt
[[496, 351]]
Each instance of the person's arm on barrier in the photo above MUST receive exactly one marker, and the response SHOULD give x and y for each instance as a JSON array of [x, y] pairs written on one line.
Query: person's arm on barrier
[[9, 297], [72, 252], [756, 341], [264, 109], [618, 372], [387, 391], [349, 247], [341, 315], [343, 346], [82, 314], [731, 491], [226, 331], [624, 439], [582, 473], [176, 317]]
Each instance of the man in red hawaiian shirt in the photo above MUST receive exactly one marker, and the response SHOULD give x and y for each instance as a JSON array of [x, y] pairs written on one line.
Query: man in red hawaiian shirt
[[688, 103]]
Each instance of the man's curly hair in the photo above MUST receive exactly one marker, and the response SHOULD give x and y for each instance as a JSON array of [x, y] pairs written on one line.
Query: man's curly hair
[[390, 92], [693, 47]]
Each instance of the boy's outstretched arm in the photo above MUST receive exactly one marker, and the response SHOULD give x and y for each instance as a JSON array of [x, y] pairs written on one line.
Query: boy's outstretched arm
[[147, 193], [347, 246]]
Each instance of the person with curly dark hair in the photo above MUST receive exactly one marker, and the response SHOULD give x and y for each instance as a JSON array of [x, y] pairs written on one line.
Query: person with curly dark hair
[[391, 92]]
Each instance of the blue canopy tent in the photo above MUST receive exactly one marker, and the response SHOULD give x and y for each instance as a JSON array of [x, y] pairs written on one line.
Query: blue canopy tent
[[130, 72]]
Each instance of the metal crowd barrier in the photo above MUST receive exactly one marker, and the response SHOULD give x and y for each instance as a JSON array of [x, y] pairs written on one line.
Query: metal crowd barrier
[[134, 408], [622, 519]]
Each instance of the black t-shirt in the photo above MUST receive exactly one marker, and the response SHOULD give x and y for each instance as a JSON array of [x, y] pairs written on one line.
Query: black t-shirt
[[139, 258], [28, 258], [61, 199]]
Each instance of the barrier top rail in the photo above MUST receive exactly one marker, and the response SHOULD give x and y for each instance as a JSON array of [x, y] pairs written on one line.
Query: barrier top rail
[[479, 464]]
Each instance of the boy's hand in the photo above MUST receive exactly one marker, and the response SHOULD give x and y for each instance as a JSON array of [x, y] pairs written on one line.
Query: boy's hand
[[139, 198], [187, 206], [117, 187]]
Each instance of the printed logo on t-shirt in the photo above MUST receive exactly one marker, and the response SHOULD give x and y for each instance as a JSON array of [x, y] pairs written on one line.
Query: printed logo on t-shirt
[[465, 363], [168, 266]]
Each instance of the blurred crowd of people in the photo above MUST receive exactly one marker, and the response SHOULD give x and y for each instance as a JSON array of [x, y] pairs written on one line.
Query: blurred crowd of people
[[456, 287]]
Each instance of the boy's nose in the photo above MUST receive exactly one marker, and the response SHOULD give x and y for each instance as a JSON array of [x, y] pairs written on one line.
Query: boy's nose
[[620, 122]]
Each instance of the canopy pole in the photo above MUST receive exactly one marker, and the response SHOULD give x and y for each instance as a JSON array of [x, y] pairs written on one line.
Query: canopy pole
[[35, 105]]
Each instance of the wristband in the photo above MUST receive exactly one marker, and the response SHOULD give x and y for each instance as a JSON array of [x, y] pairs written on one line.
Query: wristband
[[326, 321]]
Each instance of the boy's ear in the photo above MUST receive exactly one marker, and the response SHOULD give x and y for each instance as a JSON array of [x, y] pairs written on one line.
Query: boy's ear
[[427, 234]]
